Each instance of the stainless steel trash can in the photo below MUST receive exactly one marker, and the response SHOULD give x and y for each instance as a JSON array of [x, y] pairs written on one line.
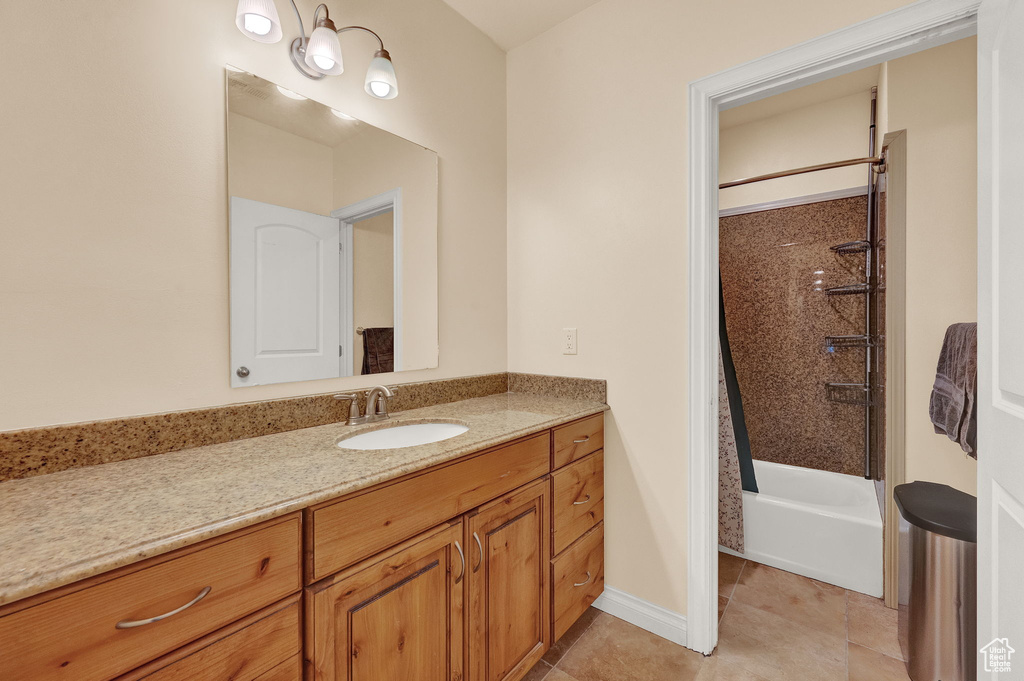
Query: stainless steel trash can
[[938, 581]]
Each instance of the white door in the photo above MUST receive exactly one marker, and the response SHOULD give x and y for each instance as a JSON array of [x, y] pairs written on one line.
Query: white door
[[285, 294], [1001, 331]]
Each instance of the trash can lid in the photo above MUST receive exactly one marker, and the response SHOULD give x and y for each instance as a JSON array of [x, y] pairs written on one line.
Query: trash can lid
[[939, 509]]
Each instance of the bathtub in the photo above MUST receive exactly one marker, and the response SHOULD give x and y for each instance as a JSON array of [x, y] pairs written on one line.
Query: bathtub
[[826, 526]]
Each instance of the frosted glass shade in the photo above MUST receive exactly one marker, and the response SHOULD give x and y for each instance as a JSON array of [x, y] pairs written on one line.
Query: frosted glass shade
[[380, 77], [258, 19], [323, 52]]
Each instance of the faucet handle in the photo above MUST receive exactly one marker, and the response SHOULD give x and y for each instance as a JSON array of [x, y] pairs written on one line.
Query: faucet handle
[[353, 408]]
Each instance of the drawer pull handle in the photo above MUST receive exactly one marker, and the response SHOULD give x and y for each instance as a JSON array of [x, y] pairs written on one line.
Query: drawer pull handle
[[584, 581], [480, 547], [462, 559], [585, 438], [580, 503], [130, 624]]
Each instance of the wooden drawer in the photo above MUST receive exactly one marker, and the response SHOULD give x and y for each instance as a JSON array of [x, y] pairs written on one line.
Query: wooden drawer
[[573, 590], [366, 523], [577, 439], [266, 646], [71, 633], [577, 500]]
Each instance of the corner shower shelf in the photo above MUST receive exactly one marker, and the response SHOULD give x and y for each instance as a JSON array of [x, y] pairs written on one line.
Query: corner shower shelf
[[833, 342], [847, 393], [851, 247], [848, 290]]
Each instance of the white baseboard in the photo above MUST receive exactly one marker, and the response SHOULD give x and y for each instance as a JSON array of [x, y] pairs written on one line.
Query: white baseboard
[[653, 618]]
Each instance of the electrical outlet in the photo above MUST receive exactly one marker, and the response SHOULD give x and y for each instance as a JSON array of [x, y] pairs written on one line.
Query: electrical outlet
[[568, 341]]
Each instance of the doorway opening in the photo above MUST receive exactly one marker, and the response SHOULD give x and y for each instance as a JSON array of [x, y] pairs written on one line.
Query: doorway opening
[[862, 444]]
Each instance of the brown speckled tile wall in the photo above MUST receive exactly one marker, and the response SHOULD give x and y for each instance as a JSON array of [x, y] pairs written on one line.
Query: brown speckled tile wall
[[37, 451], [594, 390], [775, 265]]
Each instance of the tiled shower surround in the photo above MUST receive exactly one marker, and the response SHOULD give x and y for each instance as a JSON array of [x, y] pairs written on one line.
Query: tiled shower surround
[[775, 266]]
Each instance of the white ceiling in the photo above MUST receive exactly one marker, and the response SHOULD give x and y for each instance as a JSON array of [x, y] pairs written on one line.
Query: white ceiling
[[511, 23], [825, 91]]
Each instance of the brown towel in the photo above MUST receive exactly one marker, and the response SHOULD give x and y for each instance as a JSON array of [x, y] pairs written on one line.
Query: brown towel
[[952, 409], [378, 350]]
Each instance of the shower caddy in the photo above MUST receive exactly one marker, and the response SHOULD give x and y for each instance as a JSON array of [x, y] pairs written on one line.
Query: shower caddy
[[861, 394]]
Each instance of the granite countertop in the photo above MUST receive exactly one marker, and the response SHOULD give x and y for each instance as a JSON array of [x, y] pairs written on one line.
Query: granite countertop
[[57, 529]]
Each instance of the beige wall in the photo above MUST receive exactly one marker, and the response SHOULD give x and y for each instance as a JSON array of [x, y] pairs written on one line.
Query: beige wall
[[274, 166], [386, 162], [597, 234], [827, 131], [373, 272], [933, 95], [113, 270]]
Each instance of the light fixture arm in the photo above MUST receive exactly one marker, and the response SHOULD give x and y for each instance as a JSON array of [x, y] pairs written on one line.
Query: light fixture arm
[[380, 76], [362, 28], [298, 15]]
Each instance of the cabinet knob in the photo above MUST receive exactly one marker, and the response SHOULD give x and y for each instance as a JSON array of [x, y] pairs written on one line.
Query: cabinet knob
[[242, 372]]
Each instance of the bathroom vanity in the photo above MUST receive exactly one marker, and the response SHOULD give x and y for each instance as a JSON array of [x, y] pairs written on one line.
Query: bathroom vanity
[[445, 561]]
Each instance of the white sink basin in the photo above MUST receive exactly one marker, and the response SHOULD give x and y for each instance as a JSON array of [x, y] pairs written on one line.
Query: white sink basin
[[407, 435]]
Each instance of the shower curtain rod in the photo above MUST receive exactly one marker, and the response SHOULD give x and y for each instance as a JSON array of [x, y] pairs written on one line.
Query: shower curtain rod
[[806, 169]]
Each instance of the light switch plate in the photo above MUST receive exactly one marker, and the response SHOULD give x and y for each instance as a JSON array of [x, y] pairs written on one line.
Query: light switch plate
[[568, 341]]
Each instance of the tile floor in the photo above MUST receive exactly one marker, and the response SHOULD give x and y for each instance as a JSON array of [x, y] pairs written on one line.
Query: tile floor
[[774, 626]]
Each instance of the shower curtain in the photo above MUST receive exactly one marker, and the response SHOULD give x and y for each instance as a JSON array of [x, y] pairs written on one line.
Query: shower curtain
[[730, 489]]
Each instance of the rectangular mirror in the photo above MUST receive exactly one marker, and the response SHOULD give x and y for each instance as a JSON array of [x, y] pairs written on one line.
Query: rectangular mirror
[[333, 232]]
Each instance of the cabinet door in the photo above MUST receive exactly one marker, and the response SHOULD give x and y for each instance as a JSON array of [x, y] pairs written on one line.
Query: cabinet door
[[508, 545], [397, 616]]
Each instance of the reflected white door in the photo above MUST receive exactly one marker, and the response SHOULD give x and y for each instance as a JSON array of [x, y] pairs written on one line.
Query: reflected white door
[[1001, 331], [285, 294]]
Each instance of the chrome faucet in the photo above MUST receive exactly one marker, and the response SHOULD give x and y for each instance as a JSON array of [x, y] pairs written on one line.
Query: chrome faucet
[[376, 405]]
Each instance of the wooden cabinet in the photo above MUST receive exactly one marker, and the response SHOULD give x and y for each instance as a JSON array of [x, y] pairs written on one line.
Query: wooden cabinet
[[101, 627], [266, 646], [577, 579], [577, 439], [577, 499], [396, 616], [360, 525], [509, 584], [465, 571]]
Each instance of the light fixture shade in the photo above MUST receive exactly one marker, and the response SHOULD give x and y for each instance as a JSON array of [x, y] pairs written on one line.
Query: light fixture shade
[[258, 19], [323, 52], [380, 77]]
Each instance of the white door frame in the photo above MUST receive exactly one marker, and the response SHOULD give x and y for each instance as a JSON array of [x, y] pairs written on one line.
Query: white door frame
[[910, 29], [390, 200]]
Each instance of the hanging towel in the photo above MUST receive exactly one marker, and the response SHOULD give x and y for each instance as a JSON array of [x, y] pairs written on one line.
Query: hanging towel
[[953, 408], [378, 350]]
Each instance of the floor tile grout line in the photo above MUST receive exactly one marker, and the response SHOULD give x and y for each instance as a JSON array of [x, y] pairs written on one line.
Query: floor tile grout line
[[578, 639], [876, 650], [846, 619]]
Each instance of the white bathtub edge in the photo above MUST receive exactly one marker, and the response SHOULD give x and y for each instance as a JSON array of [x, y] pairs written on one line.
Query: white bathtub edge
[[870, 587], [653, 618]]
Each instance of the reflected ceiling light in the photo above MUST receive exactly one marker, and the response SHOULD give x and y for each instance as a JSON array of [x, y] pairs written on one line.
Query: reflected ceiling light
[[318, 55], [342, 115], [289, 94], [258, 20]]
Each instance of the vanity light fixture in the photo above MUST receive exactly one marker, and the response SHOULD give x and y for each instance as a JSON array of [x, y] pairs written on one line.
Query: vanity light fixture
[[258, 20], [318, 55]]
